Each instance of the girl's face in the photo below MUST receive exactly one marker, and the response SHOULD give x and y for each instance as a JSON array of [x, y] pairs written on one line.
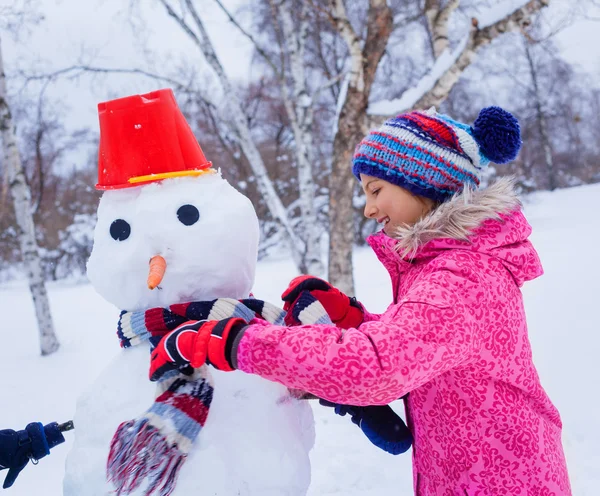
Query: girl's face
[[392, 205]]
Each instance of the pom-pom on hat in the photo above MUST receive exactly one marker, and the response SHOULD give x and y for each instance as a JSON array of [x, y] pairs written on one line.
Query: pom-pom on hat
[[434, 156]]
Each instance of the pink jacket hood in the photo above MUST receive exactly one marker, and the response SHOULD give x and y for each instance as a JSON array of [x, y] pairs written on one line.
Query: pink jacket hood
[[487, 221]]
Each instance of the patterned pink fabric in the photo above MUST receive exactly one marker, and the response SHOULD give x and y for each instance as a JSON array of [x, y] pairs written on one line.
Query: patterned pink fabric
[[455, 337]]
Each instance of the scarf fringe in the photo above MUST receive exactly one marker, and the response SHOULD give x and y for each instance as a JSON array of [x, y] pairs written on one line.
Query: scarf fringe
[[139, 451]]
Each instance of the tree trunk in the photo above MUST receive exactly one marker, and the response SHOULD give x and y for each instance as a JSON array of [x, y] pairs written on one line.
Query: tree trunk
[[299, 109], [541, 121], [365, 56], [300, 113], [351, 129], [22, 204]]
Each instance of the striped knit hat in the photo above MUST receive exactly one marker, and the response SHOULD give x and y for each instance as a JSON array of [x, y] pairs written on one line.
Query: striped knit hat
[[435, 156]]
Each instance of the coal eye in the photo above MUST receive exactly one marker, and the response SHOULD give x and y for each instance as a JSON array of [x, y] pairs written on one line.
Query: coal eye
[[120, 230], [188, 215]]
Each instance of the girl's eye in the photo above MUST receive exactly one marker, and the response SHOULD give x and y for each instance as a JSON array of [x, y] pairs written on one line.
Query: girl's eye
[[188, 215], [375, 191], [120, 230]]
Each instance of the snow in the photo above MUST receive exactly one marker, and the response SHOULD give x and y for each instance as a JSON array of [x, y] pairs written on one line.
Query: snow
[[412, 95], [500, 10], [563, 325]]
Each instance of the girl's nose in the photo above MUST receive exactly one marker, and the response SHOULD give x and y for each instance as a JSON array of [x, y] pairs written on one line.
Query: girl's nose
[[370, 210]]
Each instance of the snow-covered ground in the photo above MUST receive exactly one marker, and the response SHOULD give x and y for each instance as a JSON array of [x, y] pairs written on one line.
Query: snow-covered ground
[[564, 327]]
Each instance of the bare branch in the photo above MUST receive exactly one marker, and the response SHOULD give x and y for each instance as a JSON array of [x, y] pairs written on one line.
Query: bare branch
[[348, 34], [434, 95], [261, 52], [324, 62], [253, 112], [407, 20], [278, 34], [520, 18], [15, 18], [431, 11], [184, 25], [321, 10], [77, 70], [438, 18], [328, 84], [541, 120]]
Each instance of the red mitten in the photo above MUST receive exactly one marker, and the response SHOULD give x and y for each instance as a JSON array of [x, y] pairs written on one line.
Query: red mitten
[[344, 312], [194, 344]]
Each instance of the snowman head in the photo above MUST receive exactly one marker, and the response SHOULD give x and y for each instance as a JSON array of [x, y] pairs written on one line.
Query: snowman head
[[164, 203], [204, 229]]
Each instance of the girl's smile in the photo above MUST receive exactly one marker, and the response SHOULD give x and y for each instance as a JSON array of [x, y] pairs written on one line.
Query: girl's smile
[[392, 205]]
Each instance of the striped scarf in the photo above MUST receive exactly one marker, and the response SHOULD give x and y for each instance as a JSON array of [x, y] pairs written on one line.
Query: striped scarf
[[154, 446]]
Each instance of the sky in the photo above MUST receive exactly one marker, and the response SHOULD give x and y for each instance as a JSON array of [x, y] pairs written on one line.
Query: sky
[[580, 41], [99, 31]]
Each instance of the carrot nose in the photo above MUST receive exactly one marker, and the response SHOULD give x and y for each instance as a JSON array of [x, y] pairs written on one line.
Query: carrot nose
[[156, 272]]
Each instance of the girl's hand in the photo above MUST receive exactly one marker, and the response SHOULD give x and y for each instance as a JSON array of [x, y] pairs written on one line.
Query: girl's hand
[[382, 425], [345, 312], [194, 344]]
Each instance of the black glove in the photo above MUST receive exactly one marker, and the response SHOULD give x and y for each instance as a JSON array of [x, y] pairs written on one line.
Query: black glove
[[32, 443], [382, 426]]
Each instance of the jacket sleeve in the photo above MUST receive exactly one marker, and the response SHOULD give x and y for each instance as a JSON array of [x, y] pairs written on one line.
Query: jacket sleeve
[[432, 329]]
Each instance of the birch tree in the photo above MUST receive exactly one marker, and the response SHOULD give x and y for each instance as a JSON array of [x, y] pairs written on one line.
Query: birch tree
[[23, 212], [541, 120], [299, 103], [449, 64], [357, 115], [364, 57], [233, 112]]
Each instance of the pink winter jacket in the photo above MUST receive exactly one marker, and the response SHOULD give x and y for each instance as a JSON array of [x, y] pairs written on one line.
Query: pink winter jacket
[[455, 338]]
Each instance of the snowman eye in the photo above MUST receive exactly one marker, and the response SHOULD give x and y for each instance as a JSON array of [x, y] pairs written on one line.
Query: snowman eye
[[188, 215], [120, 230]]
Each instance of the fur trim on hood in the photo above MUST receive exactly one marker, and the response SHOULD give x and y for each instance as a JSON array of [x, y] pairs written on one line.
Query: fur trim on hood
[[460, 216]]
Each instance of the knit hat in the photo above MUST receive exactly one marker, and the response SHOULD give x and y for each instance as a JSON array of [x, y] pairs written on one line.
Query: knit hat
[[434, 156]]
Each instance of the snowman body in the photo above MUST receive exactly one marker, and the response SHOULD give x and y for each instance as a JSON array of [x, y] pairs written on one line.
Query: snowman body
[[257, 438]]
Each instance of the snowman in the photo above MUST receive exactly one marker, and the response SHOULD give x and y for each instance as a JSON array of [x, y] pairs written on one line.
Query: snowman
[[164, 206]]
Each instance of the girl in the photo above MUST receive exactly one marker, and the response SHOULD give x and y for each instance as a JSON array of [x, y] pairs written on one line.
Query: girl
[[454, 336]]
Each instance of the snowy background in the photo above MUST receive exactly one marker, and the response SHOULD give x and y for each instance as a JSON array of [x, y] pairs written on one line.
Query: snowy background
[[563, 325], [561, 306]]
